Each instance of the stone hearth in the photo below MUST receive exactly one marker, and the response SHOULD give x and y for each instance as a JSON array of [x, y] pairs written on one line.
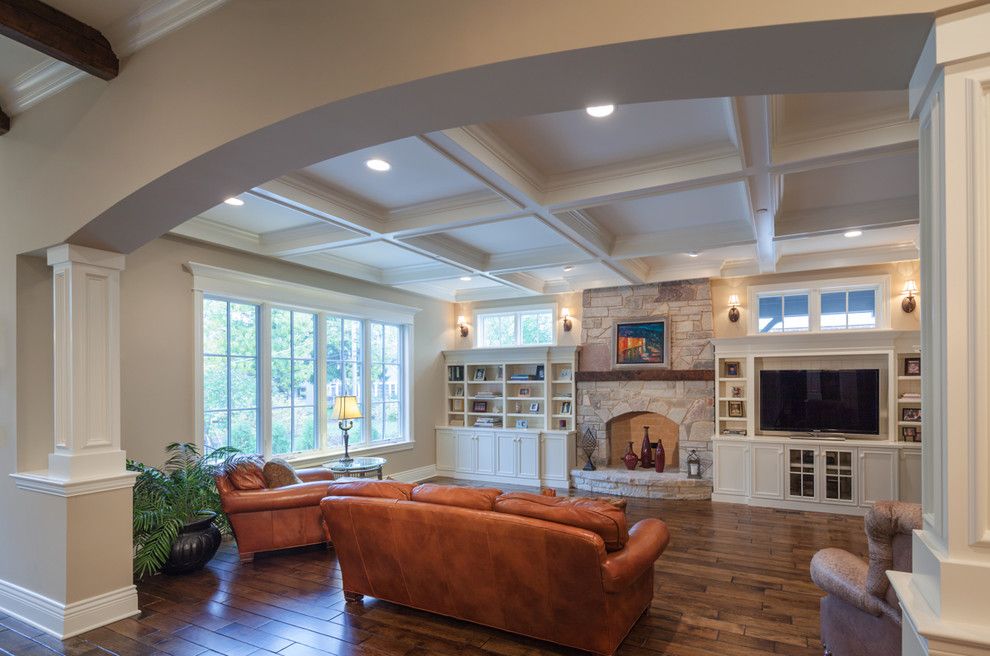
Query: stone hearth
[[642, 483]]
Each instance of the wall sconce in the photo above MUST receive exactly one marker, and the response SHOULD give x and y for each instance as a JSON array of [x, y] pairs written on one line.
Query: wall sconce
[[462, 324], [565, 315], [910, 302], [733, 308]]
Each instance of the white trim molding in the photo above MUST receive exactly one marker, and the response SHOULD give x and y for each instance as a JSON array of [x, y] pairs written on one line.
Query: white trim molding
[[66, 620], [43, 482], [416, 475]]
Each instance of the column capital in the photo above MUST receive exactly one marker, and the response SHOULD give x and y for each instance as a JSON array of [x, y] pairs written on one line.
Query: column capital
[[64, 254]]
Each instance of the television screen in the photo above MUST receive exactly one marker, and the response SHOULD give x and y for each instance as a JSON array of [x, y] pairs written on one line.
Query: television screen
[[838, 401]]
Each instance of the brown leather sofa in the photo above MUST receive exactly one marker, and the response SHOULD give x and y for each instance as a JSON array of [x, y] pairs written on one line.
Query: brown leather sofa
[[267, 519], [553, 568], [860, 615]]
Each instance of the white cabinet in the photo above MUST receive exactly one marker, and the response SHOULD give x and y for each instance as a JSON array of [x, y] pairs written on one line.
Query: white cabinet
[[731, 465], [877, 475], [768, 471], [522, 457], [838, 475], [802, 482], [909, 475]]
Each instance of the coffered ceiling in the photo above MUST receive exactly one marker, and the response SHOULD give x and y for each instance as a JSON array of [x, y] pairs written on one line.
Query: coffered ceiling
[[559, 202]]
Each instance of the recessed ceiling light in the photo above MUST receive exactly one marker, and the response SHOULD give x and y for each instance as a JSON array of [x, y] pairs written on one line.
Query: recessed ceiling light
[[236, 202], [693, 254], [600, 111], [378, 165], [466, 278], [852, 233], [569, 267]]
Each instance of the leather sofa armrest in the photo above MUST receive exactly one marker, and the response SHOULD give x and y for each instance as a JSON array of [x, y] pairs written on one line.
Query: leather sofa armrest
[[843, 575], [647, 540], [314, 474], [299, 495]]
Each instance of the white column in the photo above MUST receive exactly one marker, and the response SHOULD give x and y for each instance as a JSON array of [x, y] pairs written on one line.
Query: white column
[[946, 598]]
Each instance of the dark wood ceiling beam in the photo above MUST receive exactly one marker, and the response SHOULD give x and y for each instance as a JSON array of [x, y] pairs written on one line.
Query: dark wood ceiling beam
[[58, 35], [4, 123]]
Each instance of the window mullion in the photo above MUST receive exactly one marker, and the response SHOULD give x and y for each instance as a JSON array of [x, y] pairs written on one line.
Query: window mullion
[[265, 377], [320, 382], [367, 357], [230, 398]]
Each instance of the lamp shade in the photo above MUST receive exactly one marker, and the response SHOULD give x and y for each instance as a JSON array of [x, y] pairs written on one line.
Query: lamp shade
[[733, 300], [345, 407], [910, 287]]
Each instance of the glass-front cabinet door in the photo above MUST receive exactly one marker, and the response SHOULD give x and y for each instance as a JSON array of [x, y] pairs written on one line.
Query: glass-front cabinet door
[[838, 476], [801, 473]]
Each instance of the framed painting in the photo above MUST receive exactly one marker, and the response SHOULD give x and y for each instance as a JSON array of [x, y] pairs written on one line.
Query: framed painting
[[641, 343]]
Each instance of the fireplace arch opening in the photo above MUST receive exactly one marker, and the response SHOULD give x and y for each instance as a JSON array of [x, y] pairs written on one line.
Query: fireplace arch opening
[[629, 427]]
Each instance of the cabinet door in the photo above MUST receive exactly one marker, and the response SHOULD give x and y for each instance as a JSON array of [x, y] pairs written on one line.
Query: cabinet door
[[731, 465], [485, 443], [801, 480], [877, 475], [467, 453], [505, 454], [909, 476], [553, 448], [768, 471], [446, 450], [528, 465], [838, 475]]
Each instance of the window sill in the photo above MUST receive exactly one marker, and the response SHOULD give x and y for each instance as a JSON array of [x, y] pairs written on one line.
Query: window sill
[[316, 459]]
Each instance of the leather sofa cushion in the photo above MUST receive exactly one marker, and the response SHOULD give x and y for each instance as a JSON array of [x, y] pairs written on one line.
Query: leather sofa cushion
[[247, 473], [379, 489], [302, 495], [279, 473], [475, 498], [606, 519]]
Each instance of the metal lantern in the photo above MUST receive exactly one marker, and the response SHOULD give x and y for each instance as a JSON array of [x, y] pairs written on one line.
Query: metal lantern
[[589, 444], [693, 465]]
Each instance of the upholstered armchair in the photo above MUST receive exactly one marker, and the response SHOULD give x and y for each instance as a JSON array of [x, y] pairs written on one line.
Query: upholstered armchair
[[860, 615]]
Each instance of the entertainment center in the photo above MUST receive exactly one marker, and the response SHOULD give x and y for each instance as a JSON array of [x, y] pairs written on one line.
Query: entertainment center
[[826, 421]]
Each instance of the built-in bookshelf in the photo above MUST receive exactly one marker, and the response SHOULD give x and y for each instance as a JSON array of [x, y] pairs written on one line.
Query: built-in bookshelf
[[908, 410], [733, 395], [513, 388]]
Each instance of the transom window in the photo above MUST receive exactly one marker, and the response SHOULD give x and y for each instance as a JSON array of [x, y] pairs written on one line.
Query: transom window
[[784, 313], [849, 309], [518, 327], [282, 412], [857, 304]]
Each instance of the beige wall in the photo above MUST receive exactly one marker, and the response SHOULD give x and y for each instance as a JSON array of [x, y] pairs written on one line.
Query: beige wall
[[899, 272], [157, 344], [569, 300]]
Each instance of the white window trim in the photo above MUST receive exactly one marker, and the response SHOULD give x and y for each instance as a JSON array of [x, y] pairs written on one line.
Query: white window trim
[[268, 293], [515, 310], [814, 290]]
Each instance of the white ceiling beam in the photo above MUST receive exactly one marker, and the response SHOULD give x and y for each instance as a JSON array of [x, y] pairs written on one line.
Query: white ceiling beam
[[449, 250], [524, 282], [537, 258], [845, 146], [202, 229], [827, 220], [684, 272], [460, 211], [308, 239], [682, 240], [751, 119], [299, 193], [338, 265], [416, 273], [848, 258]]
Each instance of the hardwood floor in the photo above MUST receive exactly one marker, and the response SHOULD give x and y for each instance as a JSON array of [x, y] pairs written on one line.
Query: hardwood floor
[[734, 580]]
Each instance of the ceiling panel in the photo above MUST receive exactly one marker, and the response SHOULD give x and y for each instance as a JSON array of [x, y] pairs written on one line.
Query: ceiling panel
[[715, 256], [570, 141], [509, 236], [861, 182], [838, 242], [380, 254], [706, 205], [805, 113], [590, 272], [419, 174], [258, 215]]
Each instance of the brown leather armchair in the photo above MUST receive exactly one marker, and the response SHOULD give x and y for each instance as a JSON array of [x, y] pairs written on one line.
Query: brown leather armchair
[[558, 569], [279, 518], [860, 615]]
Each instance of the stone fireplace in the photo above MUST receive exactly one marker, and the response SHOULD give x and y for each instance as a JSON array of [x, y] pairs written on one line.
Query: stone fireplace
[[677, 401]]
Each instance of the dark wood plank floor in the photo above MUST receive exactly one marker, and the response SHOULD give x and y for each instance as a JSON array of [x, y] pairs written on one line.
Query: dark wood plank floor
[[733, 581]]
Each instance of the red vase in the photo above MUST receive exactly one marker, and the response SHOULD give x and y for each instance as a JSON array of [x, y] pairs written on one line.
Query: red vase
[[646, 451], [661, 456], [630, 459]]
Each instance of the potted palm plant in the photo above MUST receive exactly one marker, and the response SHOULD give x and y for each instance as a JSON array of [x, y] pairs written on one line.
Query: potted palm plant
[[178, 520]]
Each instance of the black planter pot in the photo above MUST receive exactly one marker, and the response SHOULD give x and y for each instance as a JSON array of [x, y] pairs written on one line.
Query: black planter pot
[[197, 542]]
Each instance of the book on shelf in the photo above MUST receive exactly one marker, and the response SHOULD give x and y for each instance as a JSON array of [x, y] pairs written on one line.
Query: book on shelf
[[456, 422], [455, 373], [911, 396], [488, 395], [522, 377], [488, 422]]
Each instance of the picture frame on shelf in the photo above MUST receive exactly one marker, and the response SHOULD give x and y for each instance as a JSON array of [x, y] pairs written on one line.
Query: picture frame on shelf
[[565, 408], [912, 366], [910, 434], [732, 368], [479, 373], [736, 391], [522, 423], [458, 391], [540, 372], [736, 409], [534, 407], [457, 405], [479, 406], [562, 424], [911, 414], [524, 391], [565, 374]]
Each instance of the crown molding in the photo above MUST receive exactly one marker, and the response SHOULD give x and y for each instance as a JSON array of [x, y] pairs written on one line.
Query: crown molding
[[301, 192], [495, 147], [38, 83], [325, 261], [203, 229], [892, 116], [419, 273], [154, 21], [885, 213], [308, 239]]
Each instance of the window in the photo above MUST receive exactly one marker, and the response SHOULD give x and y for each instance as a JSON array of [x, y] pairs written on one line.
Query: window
[[230, 375], [521, 327], [854, 304], [264, 364]]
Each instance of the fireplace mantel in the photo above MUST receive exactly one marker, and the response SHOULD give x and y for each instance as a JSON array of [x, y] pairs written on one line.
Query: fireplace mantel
[[622, 375]]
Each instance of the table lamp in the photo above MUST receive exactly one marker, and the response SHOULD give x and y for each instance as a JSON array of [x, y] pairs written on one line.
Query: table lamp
[[345, 411]]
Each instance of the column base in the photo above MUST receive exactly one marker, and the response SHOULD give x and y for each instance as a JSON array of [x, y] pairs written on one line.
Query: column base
[[66, 620], [923, 633]]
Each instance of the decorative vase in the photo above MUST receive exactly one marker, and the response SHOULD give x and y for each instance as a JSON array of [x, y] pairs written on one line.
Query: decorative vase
[[196, 543], [661, 456], [630, 458], [645, 451]]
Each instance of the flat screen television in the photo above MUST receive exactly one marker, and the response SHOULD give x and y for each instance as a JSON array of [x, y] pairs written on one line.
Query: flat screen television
[[833, 401]]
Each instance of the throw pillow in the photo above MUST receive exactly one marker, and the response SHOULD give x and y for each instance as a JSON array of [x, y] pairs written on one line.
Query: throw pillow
[[246, 473], [279, 473]]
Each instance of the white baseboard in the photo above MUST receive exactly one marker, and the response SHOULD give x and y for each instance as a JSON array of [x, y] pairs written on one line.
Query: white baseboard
[[415, 475], [66, 620], [781, 504]]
